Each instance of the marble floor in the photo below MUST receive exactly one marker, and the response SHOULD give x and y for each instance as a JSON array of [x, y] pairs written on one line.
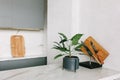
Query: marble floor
[[55, 72]]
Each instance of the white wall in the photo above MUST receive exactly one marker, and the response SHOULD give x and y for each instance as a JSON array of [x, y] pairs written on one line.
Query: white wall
[[34, 43], [59, 20], [101, 19]]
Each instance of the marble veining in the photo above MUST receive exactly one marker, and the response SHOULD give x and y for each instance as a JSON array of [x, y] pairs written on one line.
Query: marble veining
[[14, 75], [55, 72]]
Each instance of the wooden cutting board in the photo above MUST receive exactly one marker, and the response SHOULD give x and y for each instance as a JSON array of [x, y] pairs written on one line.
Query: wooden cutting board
[[99, 53], [17, 46]]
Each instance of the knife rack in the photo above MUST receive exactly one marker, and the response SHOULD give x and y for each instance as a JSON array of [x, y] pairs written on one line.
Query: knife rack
[[90, 64], [94, 50]]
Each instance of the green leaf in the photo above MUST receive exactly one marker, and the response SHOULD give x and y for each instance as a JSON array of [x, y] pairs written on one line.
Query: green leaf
[[64, 36], [87, 49], [57, 56], [60, 48], [57, 44], [62, 41], [77, 48], [76, 38]]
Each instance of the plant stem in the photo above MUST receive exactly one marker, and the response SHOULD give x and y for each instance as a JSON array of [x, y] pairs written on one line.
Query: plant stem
[[69, 51]]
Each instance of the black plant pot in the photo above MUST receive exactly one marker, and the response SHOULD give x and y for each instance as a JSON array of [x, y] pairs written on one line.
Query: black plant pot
[[71, 63]]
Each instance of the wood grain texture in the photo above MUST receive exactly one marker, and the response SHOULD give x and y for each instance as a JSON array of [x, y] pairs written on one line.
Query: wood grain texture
[[17, 46], [99, 53]]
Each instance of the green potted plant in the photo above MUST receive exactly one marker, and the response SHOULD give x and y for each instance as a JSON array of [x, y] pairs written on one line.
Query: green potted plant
[[68, 47]]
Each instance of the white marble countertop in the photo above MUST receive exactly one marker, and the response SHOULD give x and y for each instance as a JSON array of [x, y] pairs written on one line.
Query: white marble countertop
[[55, 72]]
